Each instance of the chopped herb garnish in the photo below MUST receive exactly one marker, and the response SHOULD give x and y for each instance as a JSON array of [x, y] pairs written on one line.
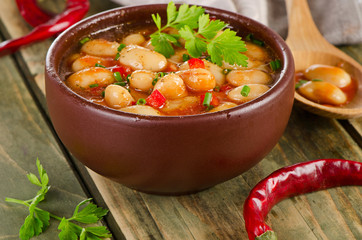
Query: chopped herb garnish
[[208, 58], [245, 91], [224, 47], [128, 77], [155, 80], [207, 99], [117, 56], [118, 77], [185, 57], [317, 80], [250, 37], [161, 74], [275, 65], [121, 46], [93, 85], [99, 65], [226, 71], [84, 40], [123, 84], [217, 89], [103, 93], [141, 101], [300, 83]]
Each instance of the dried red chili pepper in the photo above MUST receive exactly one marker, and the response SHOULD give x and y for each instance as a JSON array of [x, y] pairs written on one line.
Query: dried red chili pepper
[[291, 181], [32, 13], [75, 11]]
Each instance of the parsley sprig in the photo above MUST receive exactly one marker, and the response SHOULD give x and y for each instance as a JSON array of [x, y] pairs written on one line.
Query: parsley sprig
[[38, 220], [226, 46]]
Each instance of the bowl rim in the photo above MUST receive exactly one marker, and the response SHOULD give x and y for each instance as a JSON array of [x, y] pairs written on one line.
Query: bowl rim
[[287, 66]]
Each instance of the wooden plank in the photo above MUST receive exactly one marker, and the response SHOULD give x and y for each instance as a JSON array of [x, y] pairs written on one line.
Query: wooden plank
[[24, 136], [217, 212], [355, 51]]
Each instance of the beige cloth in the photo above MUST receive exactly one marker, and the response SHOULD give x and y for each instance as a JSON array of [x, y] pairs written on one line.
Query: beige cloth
[[340, 21]]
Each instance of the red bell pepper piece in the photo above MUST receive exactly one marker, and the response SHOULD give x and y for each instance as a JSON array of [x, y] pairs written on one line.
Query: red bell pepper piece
[[291, 181], [225, 88], [156, 99], [75, 11], [123, 70], [196, 63]]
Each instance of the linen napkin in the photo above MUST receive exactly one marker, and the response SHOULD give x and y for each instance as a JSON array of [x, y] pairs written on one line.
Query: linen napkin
[[339, 21]]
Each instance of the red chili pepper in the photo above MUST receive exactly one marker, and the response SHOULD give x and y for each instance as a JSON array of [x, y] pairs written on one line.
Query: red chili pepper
[[32, 13], [196, 63], [156, 99], [291, 181], [75, 11]]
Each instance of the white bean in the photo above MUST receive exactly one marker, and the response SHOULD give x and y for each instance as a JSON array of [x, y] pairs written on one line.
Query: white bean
[[216, 71], [142, 80], [86, 61], [223, 106], [148, 45], [198, 79], [141, 109], [101, 48], [117, 97], [139, 58], [334, 75], [135, 39], [242, 77], [256, 52], [178, 56], [213, 68], [180, 104], [171, 86], [323, 93], [85, 78], [256, 90]]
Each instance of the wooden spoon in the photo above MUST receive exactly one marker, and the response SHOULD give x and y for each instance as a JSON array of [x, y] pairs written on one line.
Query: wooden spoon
[[309, 47]]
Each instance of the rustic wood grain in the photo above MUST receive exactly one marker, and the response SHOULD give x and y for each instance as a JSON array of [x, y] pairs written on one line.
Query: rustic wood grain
[[216, 213], [24, 136]]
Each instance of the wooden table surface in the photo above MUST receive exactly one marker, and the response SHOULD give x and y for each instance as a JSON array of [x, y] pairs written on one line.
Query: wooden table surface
[[26, 133]]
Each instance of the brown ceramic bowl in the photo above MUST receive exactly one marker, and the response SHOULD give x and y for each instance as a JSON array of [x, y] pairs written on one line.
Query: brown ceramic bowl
[[164, 154]]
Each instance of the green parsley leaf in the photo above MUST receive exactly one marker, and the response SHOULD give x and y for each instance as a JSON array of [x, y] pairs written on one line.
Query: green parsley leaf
[[42, 173], [100, 231], [90, 214], [188, 16], [195, 46], [69, 231], [32, 227], [38, 220], [171, 13], [228, 46], [162, 43], [157, 19], [225, 47], [208, 28], [33, 179]]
